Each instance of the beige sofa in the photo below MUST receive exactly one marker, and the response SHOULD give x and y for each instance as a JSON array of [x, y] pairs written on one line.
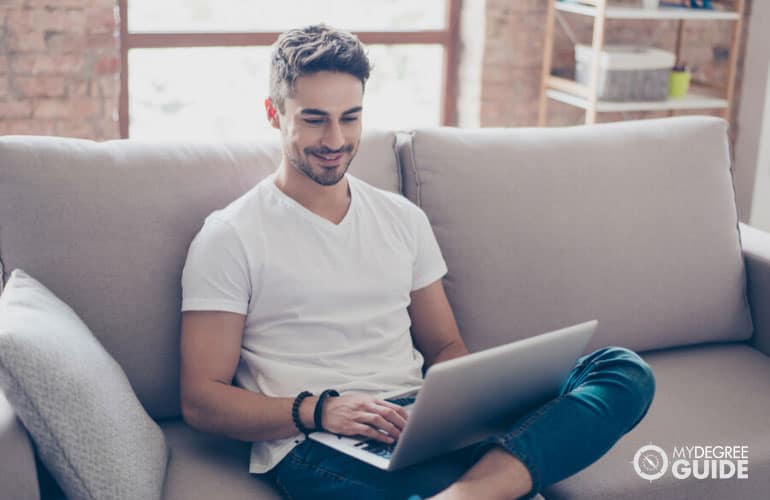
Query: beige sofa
[[631, 223]]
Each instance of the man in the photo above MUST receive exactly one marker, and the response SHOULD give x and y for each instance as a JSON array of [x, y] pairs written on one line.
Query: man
[[315, 280]]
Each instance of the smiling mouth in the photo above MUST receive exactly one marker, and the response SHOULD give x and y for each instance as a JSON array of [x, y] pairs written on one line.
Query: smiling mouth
[[331, 157], [329, 160]]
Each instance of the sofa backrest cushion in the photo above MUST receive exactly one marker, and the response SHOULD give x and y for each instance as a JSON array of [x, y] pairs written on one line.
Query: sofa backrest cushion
[[632, 223], [107, 226]]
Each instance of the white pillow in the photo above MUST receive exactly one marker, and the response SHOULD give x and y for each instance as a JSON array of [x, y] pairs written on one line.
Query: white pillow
[[89, 428]]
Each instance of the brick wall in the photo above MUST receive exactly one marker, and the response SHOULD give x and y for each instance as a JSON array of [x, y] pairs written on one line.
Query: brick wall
[[59, 68], [59, 63], [513, 54]]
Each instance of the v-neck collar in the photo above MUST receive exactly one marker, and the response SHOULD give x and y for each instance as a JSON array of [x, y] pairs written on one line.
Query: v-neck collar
[[312, 216]]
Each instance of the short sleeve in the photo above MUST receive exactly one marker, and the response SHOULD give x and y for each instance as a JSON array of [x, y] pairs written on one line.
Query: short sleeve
[[429, 264], [216, 273]]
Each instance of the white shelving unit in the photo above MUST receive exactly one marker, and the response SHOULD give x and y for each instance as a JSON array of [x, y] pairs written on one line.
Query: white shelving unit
[[585, 96], [691, 101], [659, 13]]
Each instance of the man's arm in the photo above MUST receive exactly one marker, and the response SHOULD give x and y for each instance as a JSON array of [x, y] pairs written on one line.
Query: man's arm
[[210, 350], [434, 328]]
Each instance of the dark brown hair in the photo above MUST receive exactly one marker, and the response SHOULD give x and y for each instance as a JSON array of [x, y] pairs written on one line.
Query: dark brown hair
[[311, 49]]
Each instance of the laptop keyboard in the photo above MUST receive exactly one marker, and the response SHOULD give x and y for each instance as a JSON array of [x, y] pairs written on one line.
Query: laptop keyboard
[[384, 450], [402, 401], [379, 448]]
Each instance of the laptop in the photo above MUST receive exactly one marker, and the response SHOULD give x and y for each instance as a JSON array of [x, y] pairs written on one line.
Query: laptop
[[464, 400]]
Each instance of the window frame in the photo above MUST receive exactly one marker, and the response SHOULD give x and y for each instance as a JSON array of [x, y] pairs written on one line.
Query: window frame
[[448, 38]]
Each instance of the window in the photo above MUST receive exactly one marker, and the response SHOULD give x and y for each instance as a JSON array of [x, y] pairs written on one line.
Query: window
[[199, 68]]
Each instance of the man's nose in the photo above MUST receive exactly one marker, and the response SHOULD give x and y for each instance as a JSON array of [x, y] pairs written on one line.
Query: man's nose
[[333, 137]]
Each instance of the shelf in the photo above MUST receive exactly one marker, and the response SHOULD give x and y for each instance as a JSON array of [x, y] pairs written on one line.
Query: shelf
[[639, 13], [711, 96], [568, 86], [692, 101]]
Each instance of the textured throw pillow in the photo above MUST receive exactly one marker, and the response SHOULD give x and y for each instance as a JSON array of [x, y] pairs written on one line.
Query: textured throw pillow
[[74, 399]]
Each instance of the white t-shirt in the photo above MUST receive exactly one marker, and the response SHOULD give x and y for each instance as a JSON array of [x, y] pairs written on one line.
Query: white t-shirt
[[325, 303]]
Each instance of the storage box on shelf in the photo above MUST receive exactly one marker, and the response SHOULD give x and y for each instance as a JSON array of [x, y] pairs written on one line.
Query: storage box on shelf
[[626, 72]]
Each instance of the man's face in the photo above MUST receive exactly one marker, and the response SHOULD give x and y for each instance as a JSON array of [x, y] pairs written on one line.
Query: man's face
[[321, 125]]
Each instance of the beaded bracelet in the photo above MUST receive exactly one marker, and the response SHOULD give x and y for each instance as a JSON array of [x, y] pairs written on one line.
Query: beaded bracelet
[[319, 407], [295, 412]]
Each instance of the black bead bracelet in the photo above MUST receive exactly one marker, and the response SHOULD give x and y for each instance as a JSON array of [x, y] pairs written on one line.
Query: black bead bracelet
[[295, 412]]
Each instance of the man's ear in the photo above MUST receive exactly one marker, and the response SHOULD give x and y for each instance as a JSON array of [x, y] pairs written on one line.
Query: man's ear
[[272, 113]]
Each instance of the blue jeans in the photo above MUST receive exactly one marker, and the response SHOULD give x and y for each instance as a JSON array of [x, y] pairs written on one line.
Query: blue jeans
[[606, 395]]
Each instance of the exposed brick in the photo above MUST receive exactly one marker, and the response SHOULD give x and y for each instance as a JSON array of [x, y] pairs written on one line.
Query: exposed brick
[[75, 128], [106, 130], [31, 41], [103, 41], [62, 41], [522, 93], [521, 57], [109, 86], [110, 114], [68, 4], [109, 123], [506, 7], [56, 64], [81, 88], [45, 19], [39, 86], [26, 127], [15, 109], [71, 108], [101, 20], [107, 65]]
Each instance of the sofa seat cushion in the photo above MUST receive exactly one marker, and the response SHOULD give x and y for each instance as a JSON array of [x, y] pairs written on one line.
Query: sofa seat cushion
[[203, 466], [18, 477], [706, 395]]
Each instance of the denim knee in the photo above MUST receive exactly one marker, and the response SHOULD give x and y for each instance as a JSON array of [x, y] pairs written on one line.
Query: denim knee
[[639, 377]]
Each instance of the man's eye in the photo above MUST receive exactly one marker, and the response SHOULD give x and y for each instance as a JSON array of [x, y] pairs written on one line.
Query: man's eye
[[349, 119], [314, 122]]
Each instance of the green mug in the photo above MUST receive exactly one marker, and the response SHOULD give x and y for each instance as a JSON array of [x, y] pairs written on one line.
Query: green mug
[[679, 83]]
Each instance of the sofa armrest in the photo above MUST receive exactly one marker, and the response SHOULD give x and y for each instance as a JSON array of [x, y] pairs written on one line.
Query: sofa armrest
[[756, 255], [18, 475]]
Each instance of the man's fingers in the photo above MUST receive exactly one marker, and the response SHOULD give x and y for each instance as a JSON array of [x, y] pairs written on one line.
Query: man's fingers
[[367, 416], [378, 422], [399, 409], [371, 432], [392, 413], [388, 414]]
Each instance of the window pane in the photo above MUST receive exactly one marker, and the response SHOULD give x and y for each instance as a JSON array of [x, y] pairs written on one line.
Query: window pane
[[216, 93], [271, 15]]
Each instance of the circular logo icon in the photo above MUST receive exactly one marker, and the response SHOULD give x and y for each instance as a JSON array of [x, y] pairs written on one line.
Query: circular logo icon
[[650, 462]]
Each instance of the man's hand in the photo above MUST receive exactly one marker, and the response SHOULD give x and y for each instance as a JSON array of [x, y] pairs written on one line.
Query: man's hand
[[364, 415]]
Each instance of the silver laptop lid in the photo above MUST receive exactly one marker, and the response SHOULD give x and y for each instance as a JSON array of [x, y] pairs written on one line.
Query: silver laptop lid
[[464, 399]]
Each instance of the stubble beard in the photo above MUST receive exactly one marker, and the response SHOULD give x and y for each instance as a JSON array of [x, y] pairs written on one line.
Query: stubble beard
[[327, 177]]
